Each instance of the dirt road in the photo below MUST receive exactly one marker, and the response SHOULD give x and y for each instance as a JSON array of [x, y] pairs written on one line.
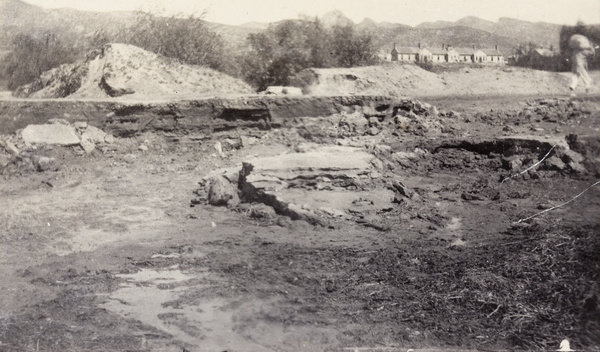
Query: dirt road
[[113, 251]]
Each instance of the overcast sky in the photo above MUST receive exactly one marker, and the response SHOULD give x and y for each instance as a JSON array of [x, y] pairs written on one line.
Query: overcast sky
[[410, 12]]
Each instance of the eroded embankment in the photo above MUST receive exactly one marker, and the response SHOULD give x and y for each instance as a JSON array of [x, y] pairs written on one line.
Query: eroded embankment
[[215, 114]]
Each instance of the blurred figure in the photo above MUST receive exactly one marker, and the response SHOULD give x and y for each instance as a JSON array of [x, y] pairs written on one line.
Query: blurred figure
[[581, 49]]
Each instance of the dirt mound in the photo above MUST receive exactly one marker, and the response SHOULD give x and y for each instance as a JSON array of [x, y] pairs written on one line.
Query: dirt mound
[[122, 70], [401, 79], [395, 80]]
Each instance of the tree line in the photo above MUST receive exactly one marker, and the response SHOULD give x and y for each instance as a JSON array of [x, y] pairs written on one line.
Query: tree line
[[272, 57]]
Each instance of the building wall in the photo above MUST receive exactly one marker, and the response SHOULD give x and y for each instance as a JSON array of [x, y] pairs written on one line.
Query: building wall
[[452, 55], [407, 57], [465, 58]]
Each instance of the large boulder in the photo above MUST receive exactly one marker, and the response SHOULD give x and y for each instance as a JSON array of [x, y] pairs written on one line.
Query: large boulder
[[321, 184], [50, 134], [221, 192]]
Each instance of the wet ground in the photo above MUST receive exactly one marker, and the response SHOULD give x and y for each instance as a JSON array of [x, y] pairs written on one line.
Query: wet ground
[[110, 252]]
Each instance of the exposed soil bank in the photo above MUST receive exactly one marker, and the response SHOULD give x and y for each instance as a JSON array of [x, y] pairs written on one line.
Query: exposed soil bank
[[211, 114]]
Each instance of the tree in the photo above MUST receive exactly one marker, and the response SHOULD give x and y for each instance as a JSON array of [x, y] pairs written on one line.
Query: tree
[[186, 38], [288, 47], [351, 48]]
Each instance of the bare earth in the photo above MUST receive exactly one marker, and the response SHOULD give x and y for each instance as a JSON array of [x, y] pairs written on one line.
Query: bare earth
[[118, 249]]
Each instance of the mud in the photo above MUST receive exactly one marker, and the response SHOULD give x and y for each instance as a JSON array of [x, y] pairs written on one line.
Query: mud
[[119, 250]]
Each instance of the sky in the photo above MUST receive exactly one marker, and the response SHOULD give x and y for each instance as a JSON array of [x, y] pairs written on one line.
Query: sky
[[410, 12]]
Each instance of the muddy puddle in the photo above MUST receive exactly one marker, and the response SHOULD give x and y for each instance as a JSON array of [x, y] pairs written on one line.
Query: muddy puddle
[[153, 297]]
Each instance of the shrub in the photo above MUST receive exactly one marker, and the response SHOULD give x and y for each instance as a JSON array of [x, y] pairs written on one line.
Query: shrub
[[188, 39], [31, 55]]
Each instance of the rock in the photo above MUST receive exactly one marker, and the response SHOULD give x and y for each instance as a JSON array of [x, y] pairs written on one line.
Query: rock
[[262, 211], [114, 86], [512, 163], [232, 176], [378, 164], [369, 111], [231, 144], [248, 141], [355, 122], [44, 163], [218, 148], [221, 192], [399, 187], [4, 160], [129, 158], [80, 125], [143, 148], [397, 156], [375, 175], [109, 138], [453, 114], [383, 149], [11, 148], [87, 145], [574, 161], [50, 134], [287, 182], [94, 134], [554, 163], [291, 91], [577, 167], [402, 121], [59, 122], [373, 131], [283, 90], [572, 156], [373, 121], [471, 196]]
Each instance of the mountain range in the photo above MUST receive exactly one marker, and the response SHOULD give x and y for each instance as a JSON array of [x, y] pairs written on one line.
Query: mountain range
[[20, 17]]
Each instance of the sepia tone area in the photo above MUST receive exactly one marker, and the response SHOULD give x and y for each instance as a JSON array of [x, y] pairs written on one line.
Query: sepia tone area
[[171, 184]]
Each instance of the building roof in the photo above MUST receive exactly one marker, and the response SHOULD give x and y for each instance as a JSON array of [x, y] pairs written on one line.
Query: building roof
[[543, 52], [492, 52], [465, 51], [407, 50], [443, 51], [438, 51]]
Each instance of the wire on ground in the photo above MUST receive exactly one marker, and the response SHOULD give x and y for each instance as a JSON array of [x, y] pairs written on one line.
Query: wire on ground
[[558, 206]]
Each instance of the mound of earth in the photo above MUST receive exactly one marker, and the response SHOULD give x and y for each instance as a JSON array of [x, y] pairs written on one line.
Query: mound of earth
[[389, 79], [400, 79], [122, 70]]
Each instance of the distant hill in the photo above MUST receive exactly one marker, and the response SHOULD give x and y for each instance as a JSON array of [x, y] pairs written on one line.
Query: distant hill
[[255, 25], [76, 26], [521, 32], [17, 16]]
